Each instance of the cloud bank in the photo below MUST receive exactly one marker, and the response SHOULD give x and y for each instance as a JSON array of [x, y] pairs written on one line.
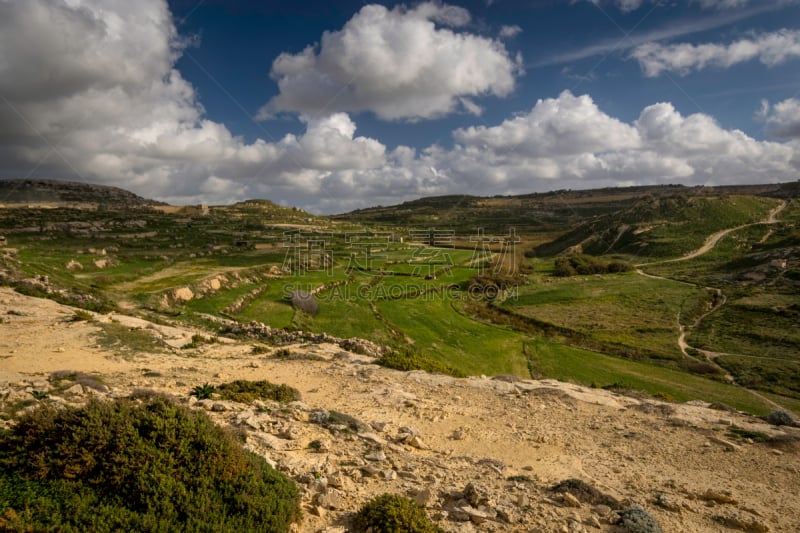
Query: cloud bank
[[782, 119], [401, 64], [89, 91], [769, 48]]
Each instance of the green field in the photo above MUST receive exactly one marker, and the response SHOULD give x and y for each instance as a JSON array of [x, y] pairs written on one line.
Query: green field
[[631, 310], [584, 367], [378, 280]]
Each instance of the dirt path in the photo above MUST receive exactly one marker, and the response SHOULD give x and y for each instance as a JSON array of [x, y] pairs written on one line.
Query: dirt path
[[709, 245], [712, 240]]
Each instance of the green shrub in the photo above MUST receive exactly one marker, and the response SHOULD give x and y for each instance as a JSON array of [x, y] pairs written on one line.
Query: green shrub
[[335, 421], [636, 519], [305, 302], [203, 392], [283, 353], [259, 349], [246, 391], [81, 316], [391, 513], [81, 378], [136, 466], [407, 360], [585, 492], [742, 433], [585, 265], [780, 418]]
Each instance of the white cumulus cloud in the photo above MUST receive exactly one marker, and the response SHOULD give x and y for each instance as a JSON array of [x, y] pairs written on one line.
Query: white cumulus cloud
[[770, 48], [569, 142], [554, 127], [399, 64], [782, 120], [90, 92], [508, 32]]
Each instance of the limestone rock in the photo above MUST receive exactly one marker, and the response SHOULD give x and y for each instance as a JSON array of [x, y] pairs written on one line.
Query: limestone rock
[[570, 500], [743, 521], [330, 499]]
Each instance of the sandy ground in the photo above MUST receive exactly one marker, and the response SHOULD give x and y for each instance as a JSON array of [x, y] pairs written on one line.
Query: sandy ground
[[514, 439]]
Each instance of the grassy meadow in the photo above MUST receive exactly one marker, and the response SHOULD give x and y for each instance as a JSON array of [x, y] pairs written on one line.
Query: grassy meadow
[[376, 277]]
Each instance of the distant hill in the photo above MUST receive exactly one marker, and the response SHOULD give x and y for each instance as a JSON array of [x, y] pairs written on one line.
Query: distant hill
[[542, 212], [40, 191], [660, 226]]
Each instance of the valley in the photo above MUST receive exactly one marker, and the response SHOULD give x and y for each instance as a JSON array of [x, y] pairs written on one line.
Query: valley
[[710, 293]]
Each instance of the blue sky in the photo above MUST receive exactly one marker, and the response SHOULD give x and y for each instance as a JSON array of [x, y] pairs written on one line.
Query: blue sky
[[237, 41], [338, 105]]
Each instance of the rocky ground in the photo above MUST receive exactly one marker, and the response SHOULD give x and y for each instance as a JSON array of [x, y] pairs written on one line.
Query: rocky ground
[[481, 454]]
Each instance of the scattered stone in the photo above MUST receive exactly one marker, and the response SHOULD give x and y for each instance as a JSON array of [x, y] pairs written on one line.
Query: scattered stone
[[376, 456], [339, 480], [477, 495], [731, 447], [423, 496], [670, 503], [570, 500], [592, 521], [718, 497], [378, 426], [459, 434], [416, 442], [742, 521], [476, 516], [372, 438], [370, 471], [506, 515], [522, 500], [330, 499], [76, 390]]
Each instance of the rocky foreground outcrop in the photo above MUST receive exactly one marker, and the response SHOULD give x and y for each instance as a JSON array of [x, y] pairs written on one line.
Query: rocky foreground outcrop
[[480, 454]]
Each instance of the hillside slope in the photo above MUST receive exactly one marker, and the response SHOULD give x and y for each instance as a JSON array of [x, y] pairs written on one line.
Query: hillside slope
[[39, 191], [498, 444], [667, 226]]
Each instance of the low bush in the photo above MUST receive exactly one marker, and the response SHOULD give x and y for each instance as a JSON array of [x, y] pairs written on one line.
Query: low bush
[[742, 433], [334, 421], [702, 367], [585, 492], [780, 418], [129, 465], [246, 391], [636, 519], [203, 392], [584, 265], [81, 378], [391, 513], [305, 302], [407, 360], [81, 316]]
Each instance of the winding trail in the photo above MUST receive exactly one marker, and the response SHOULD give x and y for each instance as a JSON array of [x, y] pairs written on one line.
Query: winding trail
[[712, 240], [707, 246]]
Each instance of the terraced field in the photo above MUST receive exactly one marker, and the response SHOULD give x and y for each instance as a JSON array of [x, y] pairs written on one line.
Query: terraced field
[[455, 287]]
